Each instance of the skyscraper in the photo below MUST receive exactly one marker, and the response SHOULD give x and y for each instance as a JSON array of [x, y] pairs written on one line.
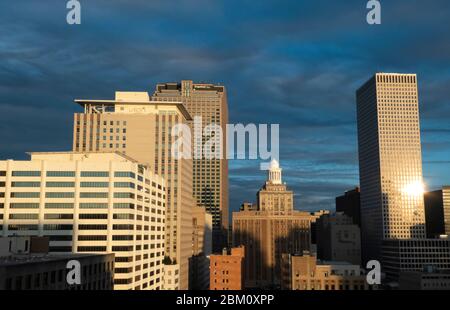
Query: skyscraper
[[390, 161], [140, 128], [269, 230], [210, 187]]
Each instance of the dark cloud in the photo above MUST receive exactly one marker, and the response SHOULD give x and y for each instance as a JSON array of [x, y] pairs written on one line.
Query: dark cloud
[[296, 63]]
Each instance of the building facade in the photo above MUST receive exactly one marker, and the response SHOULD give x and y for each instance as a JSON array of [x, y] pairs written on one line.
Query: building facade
[[201, 249], [269, 231], [414, 255], [304, 272], [421, 281], [338, 239], [227, 270], [49, 272], [133, 125], [437, 212], [210, 184], [350, 205], [390, 161], [90, 203]]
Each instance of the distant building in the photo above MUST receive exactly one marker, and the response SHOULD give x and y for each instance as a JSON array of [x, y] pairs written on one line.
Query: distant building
[[422, 280], [269, 230], [227, 270], [414, 255], [210, 176], [90, 203], [437, 212], [315, 216], [304, 272], [350, 205], [248, 206], [25, 265], [338, 239], [202, 232], [201, 249]]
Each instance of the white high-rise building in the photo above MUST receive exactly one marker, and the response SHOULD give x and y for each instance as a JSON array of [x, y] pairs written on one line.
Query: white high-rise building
[[390, 161], [90, 203]]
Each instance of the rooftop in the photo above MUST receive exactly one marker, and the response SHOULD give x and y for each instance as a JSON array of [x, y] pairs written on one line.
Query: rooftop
[[22, 259], [133, 98]]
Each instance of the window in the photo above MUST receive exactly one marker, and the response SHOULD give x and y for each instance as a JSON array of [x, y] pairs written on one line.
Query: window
[[123, 174], [91, 249], [58, 227], [95, 174], [124, 195], [60, 184], [59, 205], [25, 195], [63, 216], [24, 205], [22, 227], [123, 206], [90, 216], [93, 195], [92, 238], [92, 227], [61, 173], [94, 184], [124, 184], [59, 195], [25, 184], [26, 173], [93, 205], [23, 216]]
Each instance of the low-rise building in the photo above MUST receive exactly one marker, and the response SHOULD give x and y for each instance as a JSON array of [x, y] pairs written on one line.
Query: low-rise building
[[227, 270], [417, 280], [414, 255], [305, 272], [26, 265]]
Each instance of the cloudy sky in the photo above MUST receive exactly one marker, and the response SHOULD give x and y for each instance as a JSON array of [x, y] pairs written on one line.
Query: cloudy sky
[[292, 62]]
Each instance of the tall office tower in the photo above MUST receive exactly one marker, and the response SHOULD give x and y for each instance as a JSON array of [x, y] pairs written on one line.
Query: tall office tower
[[210, 186], [390, 161], [350, 205], [269, 230], [437, 212], [89, 203], [140, 128]]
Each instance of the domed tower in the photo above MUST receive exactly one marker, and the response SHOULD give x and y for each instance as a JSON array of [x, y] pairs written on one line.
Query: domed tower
[[274, 176]]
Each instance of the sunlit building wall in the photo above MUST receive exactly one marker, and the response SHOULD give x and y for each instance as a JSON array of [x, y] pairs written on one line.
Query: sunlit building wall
[[390, 161]]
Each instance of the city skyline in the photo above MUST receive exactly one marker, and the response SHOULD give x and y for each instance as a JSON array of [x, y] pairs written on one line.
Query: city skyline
[[317, 113]]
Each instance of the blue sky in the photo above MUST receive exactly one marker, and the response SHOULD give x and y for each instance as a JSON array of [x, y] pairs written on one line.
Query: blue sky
[[296, 63]]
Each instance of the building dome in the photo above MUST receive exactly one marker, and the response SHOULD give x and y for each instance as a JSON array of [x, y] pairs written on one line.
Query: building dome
[[274, 164], [274, 172]]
